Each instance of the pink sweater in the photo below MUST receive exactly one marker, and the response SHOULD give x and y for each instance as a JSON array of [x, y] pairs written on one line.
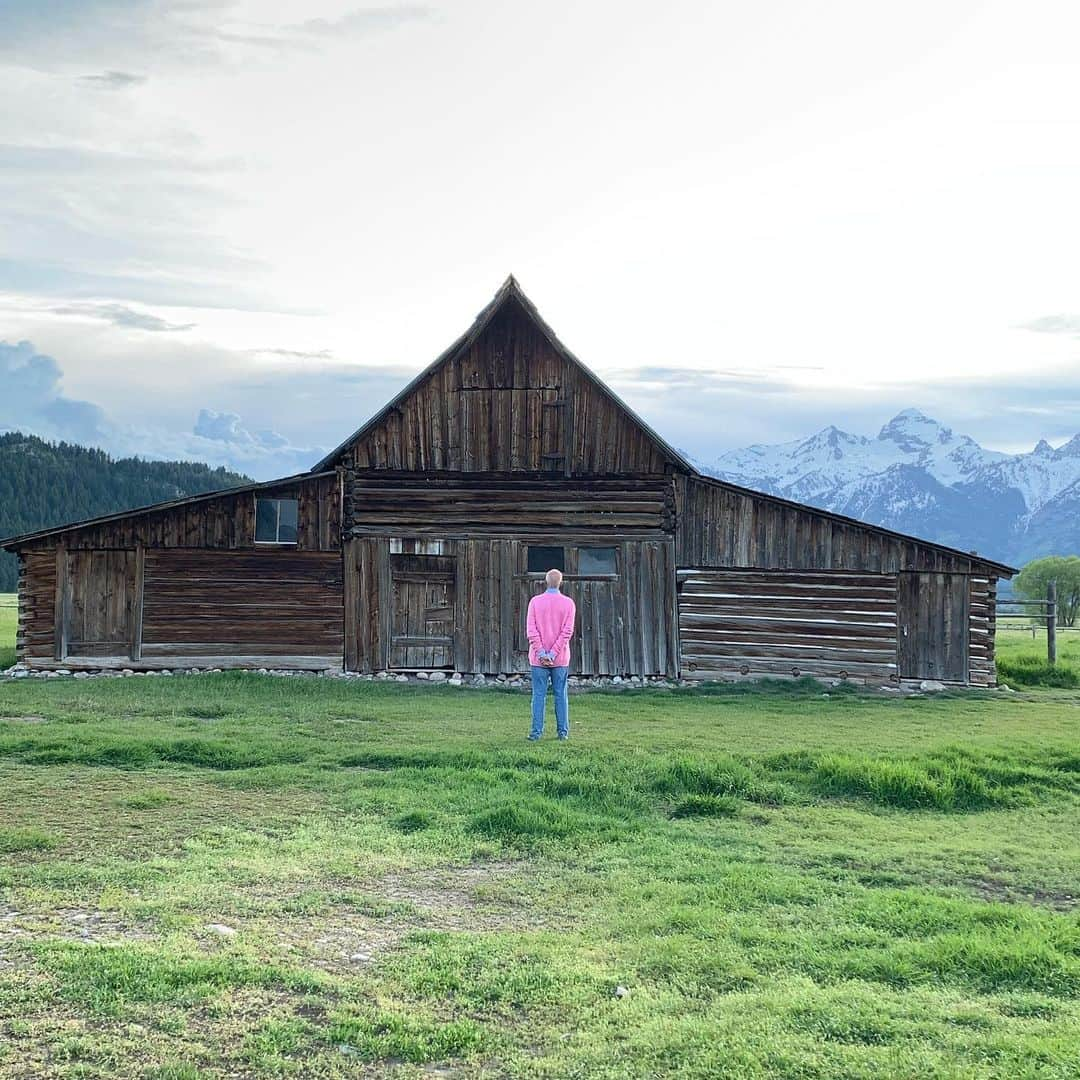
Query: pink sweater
[[550, 626]]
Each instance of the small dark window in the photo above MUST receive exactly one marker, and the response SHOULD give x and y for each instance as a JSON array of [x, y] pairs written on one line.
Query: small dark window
[[275, 521], [596, 560], [542, 559]]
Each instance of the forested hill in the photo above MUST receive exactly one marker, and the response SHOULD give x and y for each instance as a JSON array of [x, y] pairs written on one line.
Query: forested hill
[[43, 484]]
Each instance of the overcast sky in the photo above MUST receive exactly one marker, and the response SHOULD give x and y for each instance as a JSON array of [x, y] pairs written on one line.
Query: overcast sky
[[231, 229]]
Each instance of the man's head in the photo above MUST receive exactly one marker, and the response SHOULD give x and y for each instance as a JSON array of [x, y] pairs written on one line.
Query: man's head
[[553, 579]]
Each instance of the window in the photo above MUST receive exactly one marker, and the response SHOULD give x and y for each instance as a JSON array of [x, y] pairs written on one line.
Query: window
[[275, 521], [594, 561], [542, 558]]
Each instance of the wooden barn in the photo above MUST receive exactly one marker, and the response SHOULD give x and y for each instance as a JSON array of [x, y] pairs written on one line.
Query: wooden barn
[[417, 543]]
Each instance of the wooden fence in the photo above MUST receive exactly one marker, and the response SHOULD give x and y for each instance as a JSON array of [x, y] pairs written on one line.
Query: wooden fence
[[1036, 613]]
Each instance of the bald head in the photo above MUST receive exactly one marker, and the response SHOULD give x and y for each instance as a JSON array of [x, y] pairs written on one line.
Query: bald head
[[553, 579]]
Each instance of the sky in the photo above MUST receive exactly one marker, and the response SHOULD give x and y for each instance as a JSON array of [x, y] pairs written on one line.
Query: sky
[[230, 230]]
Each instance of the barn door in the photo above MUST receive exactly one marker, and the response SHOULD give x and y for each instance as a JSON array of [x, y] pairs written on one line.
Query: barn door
[[932, 626], [422, 611], [98, 598]]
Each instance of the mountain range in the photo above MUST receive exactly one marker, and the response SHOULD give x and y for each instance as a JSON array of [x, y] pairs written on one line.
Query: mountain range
[[918, 476]]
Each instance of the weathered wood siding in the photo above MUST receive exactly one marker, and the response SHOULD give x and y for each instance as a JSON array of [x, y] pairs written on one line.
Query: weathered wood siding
[[934, 626], [787, 623], [82, 593], [718, 526], [509, 403], [982, 667], [226, 521], [263, 605], [35, 636], [481, 505], [625, 621], [97, 599]]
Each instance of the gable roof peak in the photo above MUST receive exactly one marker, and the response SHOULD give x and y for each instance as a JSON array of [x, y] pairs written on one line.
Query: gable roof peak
[[509, 290]]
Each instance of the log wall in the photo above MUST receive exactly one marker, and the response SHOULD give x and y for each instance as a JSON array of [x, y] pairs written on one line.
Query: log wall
[[982, 668], [832, 625], [448, 506], [37, 606], [275, 607]]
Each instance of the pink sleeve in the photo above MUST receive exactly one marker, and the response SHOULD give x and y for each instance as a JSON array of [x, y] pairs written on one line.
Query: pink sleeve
[[566, 631], [532, 631]]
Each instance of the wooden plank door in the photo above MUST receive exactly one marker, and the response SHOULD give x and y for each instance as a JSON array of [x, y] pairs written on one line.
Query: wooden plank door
[[422, 611], [98, 601], [932, 626]]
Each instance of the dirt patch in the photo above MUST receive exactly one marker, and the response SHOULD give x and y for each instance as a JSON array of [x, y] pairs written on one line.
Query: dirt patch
[[23, 720], [478, 897], [474, 898], [994, 890], [69, 924]]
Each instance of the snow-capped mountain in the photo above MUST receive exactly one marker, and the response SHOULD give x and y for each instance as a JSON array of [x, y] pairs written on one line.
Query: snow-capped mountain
[[917, 476]]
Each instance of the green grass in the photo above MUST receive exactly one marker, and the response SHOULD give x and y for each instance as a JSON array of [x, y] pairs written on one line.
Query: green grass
[[789, 881], [9, 617], [1021, 659]]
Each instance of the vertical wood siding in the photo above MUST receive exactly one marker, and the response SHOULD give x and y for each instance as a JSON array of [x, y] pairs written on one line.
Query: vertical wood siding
[[224, 522], [510, 402], [934, 626], [722, 527], [625, 621]]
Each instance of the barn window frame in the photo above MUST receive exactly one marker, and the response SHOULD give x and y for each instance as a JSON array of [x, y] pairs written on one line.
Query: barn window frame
[[280, 524], [570, 563], [548, 560], [613, 572]]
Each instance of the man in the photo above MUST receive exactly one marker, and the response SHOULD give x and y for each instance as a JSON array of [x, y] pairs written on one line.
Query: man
[[550, 626]]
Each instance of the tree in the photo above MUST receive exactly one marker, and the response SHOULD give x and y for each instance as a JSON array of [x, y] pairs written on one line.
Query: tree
[[1031, 584]]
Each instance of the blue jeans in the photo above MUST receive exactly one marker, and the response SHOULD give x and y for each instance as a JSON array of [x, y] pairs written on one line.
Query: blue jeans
[[541, 677]]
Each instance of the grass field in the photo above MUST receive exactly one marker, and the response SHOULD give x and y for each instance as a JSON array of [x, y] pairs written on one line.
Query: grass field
[[8, 619], [1021, 658], [235, 875]]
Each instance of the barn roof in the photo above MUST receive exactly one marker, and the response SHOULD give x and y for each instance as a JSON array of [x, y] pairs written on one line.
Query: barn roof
[[509, 292]]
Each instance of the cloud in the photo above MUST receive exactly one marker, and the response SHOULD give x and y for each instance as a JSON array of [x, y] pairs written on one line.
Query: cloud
[[121, 315], [297, 354], [80, 222], [113, 80], [364, 21], [1054, 324], [226, 427], [34, 401], [56, 35]]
